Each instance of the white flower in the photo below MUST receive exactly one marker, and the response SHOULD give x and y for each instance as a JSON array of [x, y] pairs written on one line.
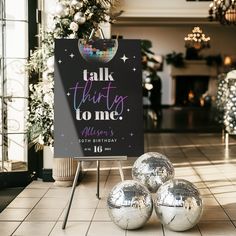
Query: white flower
[[48, 98], [52, 26], [46, 86], [40, 139], [31, 87], [89, 16], [72, 11], [50, 63], [65, 22], [74, 27], [67, 11], [87, 12], [72, 36], [150, 64], [46, 75], [59, 10]]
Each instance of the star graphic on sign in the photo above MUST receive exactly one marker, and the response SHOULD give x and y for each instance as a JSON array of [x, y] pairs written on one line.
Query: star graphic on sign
[[65, 50], [60, 61], [134, 69], [128, 110], [72, 55], [124, 58], [131, 134], [68, 94]]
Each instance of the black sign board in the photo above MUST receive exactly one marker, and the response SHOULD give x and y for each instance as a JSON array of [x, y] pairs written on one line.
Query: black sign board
[[98, 98]]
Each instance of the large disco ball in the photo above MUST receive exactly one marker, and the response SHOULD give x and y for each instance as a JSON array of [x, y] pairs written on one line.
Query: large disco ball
[[152, 169], [178, 205], [129, 204], [101, 50]]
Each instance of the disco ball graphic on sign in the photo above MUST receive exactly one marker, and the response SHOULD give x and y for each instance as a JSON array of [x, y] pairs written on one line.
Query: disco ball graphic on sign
[[98, 98], [102, 50]]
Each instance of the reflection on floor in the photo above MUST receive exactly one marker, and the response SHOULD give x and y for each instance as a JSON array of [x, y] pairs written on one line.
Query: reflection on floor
[[199, 158], [7, 195], [182, 119]]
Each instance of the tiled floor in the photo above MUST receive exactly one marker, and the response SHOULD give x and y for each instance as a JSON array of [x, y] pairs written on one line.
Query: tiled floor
[[199, 158], [183, 119]]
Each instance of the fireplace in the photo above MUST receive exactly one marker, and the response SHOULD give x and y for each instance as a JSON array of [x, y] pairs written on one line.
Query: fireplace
[[193, 82], [190, 90]]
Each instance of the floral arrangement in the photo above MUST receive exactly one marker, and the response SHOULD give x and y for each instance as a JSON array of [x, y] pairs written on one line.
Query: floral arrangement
[[71, 19]]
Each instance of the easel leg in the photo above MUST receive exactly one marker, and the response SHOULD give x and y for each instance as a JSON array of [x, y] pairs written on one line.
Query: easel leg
[[71, 195], [226, 141], [98, 180], [121, 171], [223, 135]]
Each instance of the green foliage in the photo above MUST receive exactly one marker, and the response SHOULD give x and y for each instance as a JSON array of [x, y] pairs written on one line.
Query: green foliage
[[214, 60], [175, 59], [149, 61], [145, 47]]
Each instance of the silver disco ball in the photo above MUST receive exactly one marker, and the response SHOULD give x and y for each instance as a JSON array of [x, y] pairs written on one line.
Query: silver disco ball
[[178, 205], [129, 204], [152, 169], [101, 50]]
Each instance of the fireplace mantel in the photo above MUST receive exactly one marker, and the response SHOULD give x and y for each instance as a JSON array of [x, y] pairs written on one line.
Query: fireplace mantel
[[194, 68]]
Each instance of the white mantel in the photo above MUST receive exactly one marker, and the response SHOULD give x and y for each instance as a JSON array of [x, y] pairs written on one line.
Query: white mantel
[[194, 68]]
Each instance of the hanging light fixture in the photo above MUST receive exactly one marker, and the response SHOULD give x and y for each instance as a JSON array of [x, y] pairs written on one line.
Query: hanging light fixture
[[197, 39], [223, 11]]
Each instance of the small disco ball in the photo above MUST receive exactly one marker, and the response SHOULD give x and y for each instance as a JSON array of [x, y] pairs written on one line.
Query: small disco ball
[[101, 50], [152, 169], [178, 205], [129, 204]]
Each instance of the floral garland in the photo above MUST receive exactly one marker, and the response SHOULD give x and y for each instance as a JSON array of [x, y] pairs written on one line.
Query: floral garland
[[71, 19]]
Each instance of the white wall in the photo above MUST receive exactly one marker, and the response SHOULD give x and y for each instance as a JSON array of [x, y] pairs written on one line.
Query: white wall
[[164, 8], [169, 38]]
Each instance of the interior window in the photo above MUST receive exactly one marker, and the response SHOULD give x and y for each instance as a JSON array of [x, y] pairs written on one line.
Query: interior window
[[13, 84]]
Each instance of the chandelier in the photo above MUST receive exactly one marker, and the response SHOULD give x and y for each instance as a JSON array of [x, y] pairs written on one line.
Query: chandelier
[[223, 11], [197, 39]]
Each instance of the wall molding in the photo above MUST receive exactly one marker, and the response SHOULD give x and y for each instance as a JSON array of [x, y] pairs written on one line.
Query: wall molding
[[170, 13]]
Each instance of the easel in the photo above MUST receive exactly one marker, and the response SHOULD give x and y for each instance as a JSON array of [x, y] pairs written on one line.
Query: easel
[[98, 159]]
